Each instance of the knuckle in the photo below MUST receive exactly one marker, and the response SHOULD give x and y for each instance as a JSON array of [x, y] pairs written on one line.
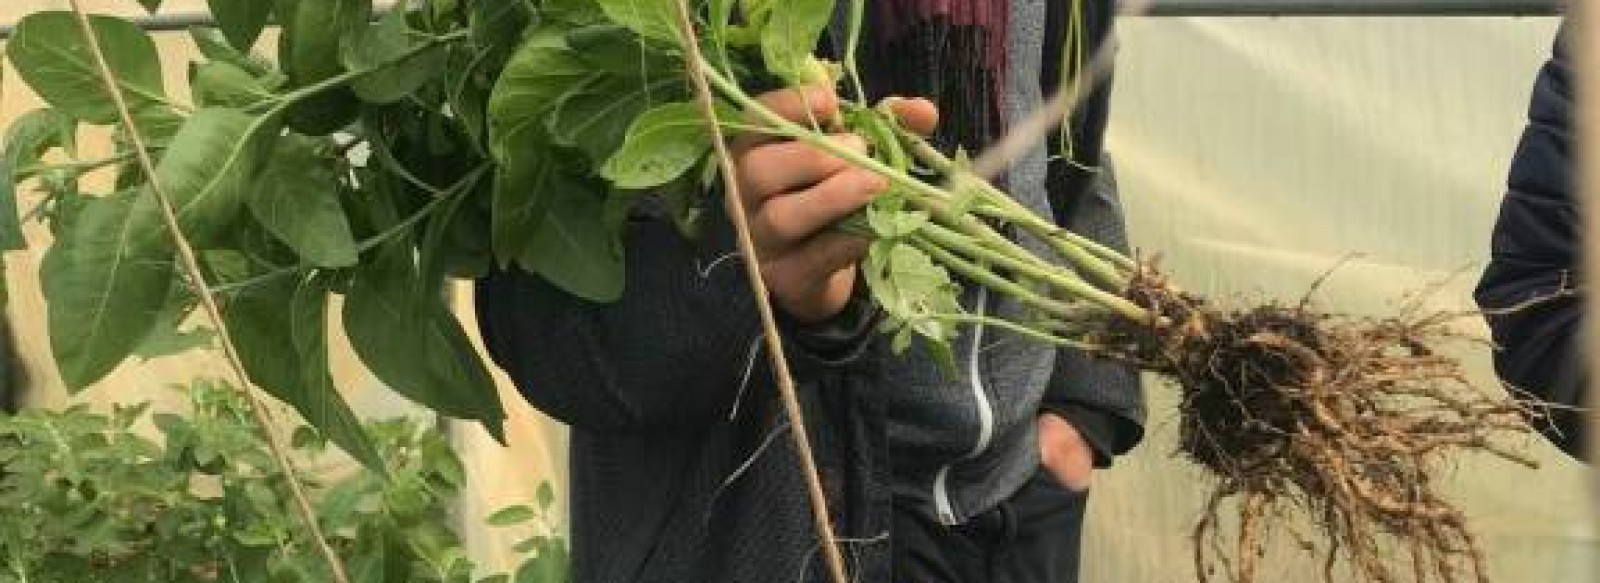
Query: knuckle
[[869, 182], [776, 226]]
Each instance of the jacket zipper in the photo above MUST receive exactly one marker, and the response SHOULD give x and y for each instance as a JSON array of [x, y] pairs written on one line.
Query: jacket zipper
[[980, 394]]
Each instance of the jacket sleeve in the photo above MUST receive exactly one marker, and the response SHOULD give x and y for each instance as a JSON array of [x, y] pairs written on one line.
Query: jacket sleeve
[[674, 351], [1103, 400], [1534, 256]]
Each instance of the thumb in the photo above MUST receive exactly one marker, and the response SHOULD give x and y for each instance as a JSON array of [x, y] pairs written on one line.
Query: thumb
[[919, 115]]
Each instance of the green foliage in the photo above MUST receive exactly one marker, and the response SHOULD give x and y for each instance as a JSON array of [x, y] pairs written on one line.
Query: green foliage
[[309, 52], [433, 363], [660, 146], [280, 330], [241, 21], [296, 209], [26, 141], [104, 292], [400, 61], [791, 31], [377, 160], [49, 52], [91, 497], [271, 202]]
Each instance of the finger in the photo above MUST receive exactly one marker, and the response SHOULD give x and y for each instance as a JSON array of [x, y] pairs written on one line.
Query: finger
[[781, 167], [817, 261], [917, 114], [801, 105], [783, 222]]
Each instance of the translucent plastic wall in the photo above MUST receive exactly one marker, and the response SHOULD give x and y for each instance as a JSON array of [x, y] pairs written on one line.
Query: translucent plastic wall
[[1255, 154]]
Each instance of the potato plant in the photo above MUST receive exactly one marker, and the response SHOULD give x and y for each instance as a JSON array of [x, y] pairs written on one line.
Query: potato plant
[[97, 497]]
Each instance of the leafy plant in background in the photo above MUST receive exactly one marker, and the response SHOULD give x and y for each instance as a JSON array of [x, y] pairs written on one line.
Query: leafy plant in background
[[90, 497]]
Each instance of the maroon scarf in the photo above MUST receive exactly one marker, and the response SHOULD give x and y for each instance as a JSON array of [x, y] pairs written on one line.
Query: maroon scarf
[[951, 51]]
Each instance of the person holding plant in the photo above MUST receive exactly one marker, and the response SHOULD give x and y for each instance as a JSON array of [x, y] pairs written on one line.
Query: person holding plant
[[967, 470]]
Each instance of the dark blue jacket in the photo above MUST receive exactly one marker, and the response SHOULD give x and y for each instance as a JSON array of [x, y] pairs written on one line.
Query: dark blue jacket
[[1535, 256]]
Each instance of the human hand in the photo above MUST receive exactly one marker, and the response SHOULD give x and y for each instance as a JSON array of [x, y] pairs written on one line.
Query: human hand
[[794, 192], [1064, 453]]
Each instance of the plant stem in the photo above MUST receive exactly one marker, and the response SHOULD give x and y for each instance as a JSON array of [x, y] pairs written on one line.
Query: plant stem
[[79, 166], [1017, 328], [858, 9], [989, 279], [924, 195], [1015, 212], [191, 266], [699, 71], [1058, 278], [371, 242], [283, 102]]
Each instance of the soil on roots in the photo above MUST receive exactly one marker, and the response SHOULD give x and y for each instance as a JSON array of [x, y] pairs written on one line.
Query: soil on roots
[[1340, 421]]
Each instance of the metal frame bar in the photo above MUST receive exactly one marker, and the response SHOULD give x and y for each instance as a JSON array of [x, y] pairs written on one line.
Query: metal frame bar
[[184, 20], [1356, 7]]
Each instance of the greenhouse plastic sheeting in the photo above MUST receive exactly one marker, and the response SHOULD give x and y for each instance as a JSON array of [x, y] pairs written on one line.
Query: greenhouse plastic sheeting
[[1256, 154]]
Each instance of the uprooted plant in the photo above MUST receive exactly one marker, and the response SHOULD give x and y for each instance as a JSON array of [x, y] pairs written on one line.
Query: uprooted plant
[[377, 160]]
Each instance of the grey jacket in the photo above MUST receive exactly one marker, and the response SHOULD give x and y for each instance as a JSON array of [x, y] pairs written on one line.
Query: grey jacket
[[962, 444], [681, 465]]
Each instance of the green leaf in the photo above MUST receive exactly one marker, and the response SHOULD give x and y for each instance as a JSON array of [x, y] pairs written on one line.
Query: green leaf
[[573, 248], [540, 72], [300, 205], [911, 287], [224, 84], [524, 187], [511, 515], [578, 12], [280, 330], [241, 21], [207, 172], [546, 496], [150, 6], [549, 566], [104, 292], [5, 298], [306, 438], [28, 138], [594, 116], [215, 47], [433, 364], [616, 49], [309, 53], [167, 337], [660, 146], [790, 35], [497, 26], [468, 88], [384, 48], [651, 19], [51, 54]]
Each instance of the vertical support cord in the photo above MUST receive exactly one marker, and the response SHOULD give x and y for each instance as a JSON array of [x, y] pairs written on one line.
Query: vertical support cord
[[191, 267], [1586, 42], [828, 543]]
